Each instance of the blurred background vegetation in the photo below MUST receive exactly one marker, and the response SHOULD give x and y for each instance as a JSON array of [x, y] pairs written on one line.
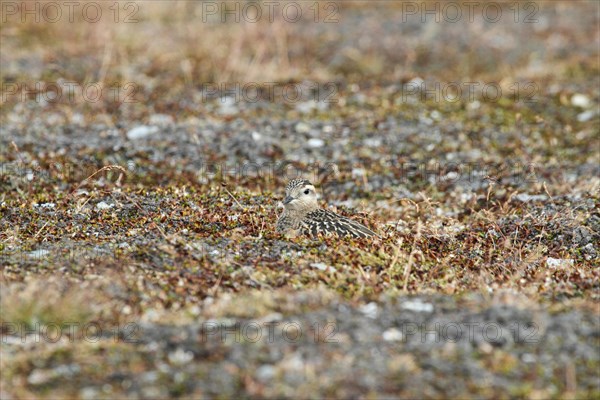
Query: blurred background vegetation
[[170, 49]]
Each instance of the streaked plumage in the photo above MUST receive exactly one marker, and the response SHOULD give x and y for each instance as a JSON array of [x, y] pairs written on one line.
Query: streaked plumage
[[302, 215]]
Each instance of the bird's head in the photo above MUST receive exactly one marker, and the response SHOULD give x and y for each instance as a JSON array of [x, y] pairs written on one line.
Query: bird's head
[[300, 195]]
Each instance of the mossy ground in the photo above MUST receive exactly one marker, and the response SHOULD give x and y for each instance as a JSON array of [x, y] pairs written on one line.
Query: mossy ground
[[147, 278]]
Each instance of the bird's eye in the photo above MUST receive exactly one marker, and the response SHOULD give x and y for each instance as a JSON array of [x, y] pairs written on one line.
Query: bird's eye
[[307, 191]]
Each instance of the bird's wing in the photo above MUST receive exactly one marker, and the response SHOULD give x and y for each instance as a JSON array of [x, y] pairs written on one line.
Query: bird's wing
[[324, 221]]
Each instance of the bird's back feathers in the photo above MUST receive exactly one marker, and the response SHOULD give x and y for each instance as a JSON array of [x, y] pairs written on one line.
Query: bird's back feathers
[[322, 221]]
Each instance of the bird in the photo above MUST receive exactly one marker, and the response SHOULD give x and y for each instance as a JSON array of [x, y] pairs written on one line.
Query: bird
[[302, 215]]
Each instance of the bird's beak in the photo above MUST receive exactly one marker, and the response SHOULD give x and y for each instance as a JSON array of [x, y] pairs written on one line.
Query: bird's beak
[[287, 200]]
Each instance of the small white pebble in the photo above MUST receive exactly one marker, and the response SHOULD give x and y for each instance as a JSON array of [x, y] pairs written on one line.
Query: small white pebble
[[474, 105], [580, 100], [524, 197], [586, 115], [558, 262], [38, 377], [415, 82], [161, 119], [306, 107], [358, 172], [322, 267], [372, 142], [316, 142], [417, 305], [140, 132], [180, 356], [392, 335], [38, 253], [104, 206], [370, 310], [302, 127], [265, 373]]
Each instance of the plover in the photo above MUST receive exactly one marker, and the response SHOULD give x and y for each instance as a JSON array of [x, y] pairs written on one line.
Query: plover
[[303, 215]]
